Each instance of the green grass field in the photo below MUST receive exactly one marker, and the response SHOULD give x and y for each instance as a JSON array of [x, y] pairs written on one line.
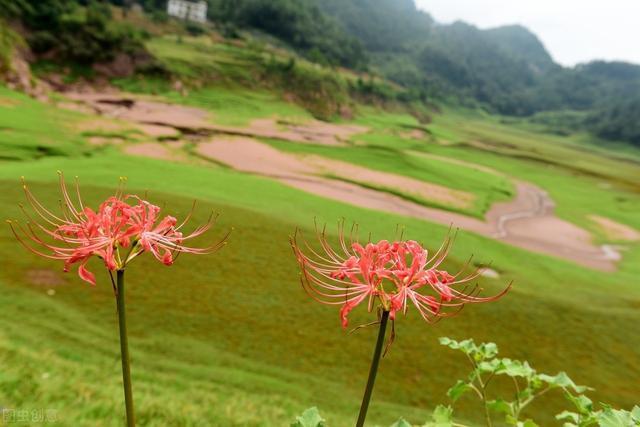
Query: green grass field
[[232, 339]]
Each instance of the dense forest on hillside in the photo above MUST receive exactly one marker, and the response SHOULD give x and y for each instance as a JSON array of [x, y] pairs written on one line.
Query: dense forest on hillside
[[506, 70], [62, 29]]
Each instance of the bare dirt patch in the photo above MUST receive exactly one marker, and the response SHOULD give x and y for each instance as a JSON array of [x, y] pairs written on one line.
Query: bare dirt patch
[[326, 133], [527, 221], [250, 155], [145, 111], [75, 106], [151, 112], [414, 134], [614, 230], [308, 132], [409, 186], [158, 131], [154, 150]]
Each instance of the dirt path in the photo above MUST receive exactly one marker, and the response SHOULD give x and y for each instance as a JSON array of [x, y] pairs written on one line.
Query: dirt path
[[527, 221]]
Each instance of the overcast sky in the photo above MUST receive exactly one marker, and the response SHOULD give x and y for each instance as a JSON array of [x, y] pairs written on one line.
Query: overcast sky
[[573, 31]]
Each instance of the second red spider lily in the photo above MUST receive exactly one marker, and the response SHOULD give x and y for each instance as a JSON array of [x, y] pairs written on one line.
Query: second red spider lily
[[391, 275], [395, 274]]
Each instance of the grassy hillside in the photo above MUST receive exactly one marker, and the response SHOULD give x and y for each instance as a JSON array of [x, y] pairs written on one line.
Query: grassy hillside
[[255, 63], [231, 339]]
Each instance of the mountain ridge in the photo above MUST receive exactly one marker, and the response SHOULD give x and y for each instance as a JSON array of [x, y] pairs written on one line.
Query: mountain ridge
[[505, 70]]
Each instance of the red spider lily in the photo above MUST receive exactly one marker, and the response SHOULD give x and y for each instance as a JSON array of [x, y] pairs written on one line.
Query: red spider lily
[[123, 227], [392, 273]]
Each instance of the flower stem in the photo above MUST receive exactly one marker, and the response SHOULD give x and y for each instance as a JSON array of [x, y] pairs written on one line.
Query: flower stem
[[374, 369], [124, 350]]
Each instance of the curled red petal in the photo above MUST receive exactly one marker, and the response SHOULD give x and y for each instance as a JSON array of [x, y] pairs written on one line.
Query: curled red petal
[[86, 275]]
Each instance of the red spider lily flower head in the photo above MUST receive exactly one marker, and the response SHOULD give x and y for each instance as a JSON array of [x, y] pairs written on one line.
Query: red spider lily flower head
[[122, 228], [393, 274]]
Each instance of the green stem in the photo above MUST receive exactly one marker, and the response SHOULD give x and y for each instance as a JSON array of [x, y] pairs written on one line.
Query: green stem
[[483, 392], [487, 416], [374, 369], [124, 350]]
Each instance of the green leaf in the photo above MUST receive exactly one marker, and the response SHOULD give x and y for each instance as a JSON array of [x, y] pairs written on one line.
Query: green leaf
[[401, 423], [525, 394], [488, 350], [583, 404], [309, 418], [500, 406], [466, 346], [568, 416], [443, 414], [635, 414], [610, 417], [445, 341], [489, 366], [527, 423], [511, 420], [458, 390], [442, 417], [562, 380], [515, 368]]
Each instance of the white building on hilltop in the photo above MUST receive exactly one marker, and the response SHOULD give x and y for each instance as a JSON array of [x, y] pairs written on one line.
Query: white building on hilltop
[[190, 10]]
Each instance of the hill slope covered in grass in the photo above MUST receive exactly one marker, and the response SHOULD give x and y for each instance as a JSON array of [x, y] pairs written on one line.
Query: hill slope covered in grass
[[231, 339]]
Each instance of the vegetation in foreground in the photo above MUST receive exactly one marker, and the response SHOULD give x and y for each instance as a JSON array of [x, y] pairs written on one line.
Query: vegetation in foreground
[[528, 385], [209, 353]]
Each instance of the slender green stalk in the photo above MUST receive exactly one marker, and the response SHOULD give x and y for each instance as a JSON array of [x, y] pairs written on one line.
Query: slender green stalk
[[487, 415], [124, 350], [374, 370], [481, 390]]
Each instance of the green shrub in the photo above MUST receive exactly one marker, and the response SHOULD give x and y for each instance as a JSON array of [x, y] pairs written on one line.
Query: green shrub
[[528, 386]]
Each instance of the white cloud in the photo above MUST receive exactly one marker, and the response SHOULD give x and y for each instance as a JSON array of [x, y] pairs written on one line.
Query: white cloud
[[572, 30]]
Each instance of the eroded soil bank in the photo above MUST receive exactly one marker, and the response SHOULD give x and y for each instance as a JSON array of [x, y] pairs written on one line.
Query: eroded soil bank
[[527, 221]]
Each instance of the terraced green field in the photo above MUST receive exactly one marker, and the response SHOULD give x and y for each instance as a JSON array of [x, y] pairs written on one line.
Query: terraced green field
[[232, 339]]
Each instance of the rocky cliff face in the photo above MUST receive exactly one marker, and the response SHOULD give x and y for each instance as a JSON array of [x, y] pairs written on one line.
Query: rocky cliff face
[[16, 74], [15, 71]]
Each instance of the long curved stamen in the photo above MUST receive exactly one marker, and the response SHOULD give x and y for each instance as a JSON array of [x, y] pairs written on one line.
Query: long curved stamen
[[121, 221], [353, 273]]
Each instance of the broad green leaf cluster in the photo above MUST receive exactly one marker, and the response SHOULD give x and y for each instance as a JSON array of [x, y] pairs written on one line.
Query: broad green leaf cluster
[[528, 386], [309, 418]]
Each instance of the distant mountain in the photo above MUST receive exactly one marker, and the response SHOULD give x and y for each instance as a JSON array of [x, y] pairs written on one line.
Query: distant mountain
[[518, 42], [495, 67], [505, 69], [381, 25]]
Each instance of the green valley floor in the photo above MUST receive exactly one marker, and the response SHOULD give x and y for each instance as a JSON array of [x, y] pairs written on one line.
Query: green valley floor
[[231, 339]]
